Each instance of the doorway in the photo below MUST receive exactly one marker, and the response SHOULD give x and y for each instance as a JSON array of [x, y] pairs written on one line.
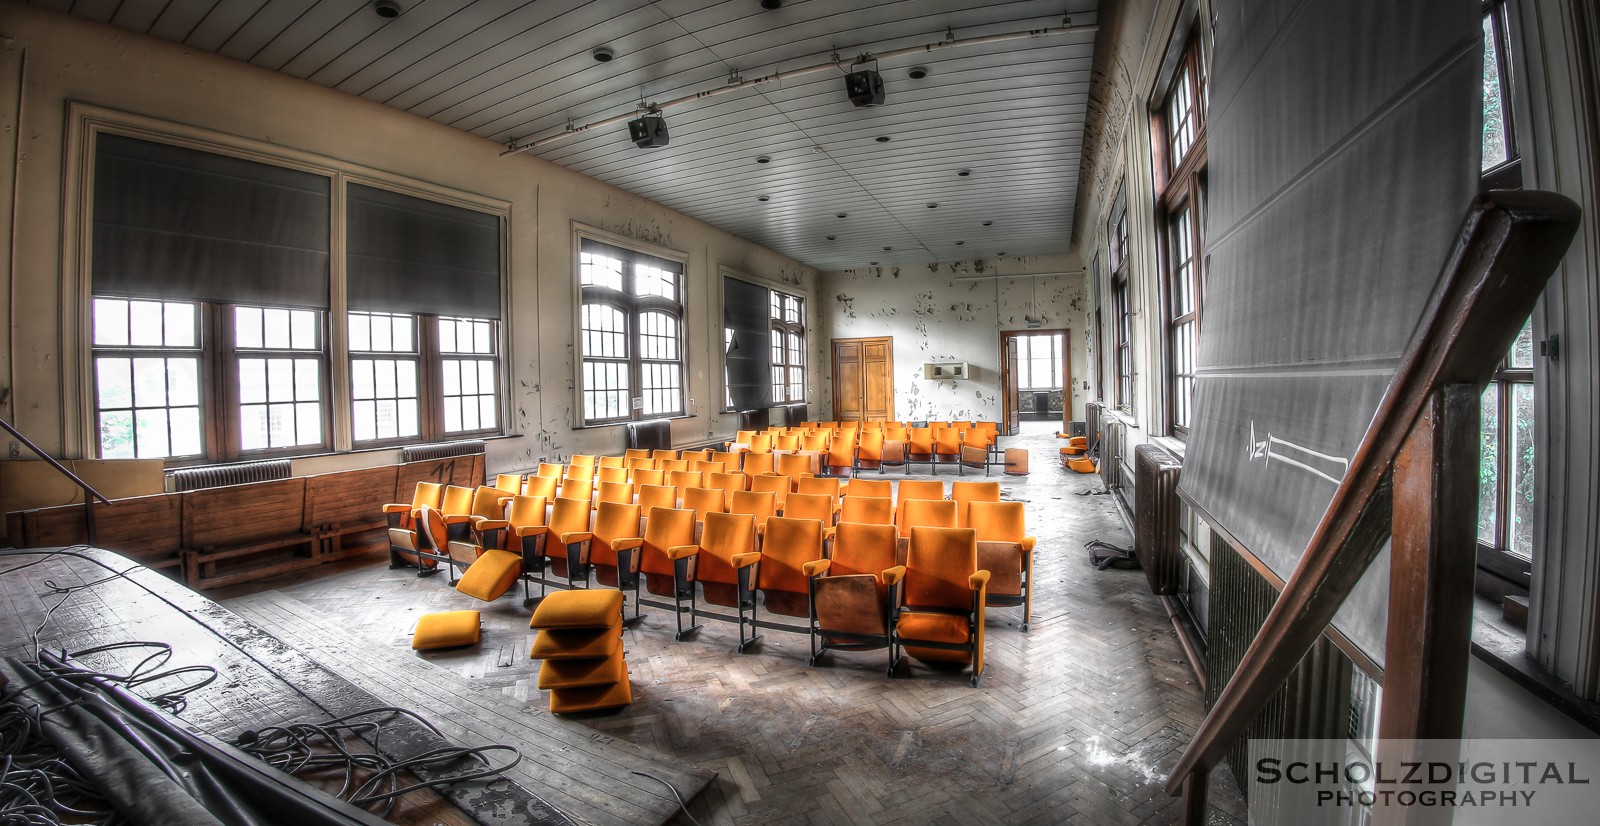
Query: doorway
[[1035, 377], [863, 379]]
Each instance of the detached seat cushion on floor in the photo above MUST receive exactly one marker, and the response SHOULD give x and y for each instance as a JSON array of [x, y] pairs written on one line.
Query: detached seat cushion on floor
[[579, 609], [491, 575], [447, 629]]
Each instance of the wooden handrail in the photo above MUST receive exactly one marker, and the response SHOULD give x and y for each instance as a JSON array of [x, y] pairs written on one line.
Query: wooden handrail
[[1507, 248], [88, 490]]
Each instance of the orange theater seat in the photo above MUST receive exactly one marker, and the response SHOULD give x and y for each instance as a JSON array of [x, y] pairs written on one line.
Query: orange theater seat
[[940, 618], [854, 591]]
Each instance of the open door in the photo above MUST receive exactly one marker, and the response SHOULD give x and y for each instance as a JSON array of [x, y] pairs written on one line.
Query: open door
[[1035, 377], [863, 379], [1011, 408]]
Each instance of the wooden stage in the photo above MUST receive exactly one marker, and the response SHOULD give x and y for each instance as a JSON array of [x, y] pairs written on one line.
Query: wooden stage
[[279, 670]]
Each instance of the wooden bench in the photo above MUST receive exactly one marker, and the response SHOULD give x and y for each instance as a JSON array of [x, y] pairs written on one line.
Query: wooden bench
[[239, 523]]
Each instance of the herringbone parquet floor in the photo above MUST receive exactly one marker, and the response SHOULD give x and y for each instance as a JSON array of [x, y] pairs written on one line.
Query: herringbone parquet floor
[[1077, 721]]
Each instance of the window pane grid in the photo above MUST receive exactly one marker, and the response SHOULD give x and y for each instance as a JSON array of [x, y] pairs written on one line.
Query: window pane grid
[[787, 347], [147, 378], [637, 332]]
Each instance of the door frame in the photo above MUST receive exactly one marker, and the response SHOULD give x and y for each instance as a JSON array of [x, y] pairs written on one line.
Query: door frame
[[833, 367], [1008, 383]]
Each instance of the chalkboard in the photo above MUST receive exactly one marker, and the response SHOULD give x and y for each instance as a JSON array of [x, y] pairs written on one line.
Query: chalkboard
[[1344, 143]]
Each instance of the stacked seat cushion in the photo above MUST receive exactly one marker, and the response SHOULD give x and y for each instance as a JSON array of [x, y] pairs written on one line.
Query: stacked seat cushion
[[580, 642]]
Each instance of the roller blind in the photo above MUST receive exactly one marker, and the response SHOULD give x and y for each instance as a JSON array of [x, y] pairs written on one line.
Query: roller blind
[[1344, 141], [747, 311], [411, 255], [178, 223]]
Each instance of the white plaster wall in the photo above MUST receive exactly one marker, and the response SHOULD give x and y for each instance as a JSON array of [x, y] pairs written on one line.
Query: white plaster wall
[[48, 60], [934, 317]]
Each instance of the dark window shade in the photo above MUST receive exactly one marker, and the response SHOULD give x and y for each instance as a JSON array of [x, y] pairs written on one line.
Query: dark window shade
[[411, 255], [1332, 206], [747, 311], [178, 223], [590, 245]]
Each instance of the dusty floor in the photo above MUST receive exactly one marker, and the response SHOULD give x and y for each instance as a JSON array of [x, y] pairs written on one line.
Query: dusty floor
[[1077, 720]]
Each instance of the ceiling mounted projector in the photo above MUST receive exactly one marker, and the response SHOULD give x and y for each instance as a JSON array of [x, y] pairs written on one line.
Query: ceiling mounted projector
[[648, 132], [865, 87]]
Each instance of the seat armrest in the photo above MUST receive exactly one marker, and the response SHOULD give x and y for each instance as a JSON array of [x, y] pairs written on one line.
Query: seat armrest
[[396, 508], [576, 536], [457, 518], [1028, 543], [484, 524], [682, 551], [745, 560], [531, 530], [626, 543], [828, 531], [978, 580], [816, 567], [893, 575]]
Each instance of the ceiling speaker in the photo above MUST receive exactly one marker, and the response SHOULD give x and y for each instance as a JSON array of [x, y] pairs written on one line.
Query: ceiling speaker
[[648, 132], [864, 87]]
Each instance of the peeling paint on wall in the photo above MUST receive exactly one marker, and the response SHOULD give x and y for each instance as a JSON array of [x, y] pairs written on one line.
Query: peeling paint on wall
[[946, 320]]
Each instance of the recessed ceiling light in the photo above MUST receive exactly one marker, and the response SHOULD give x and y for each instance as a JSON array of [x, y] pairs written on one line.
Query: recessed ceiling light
[[831, 237], [386, 9], [959, 243], [917, 72], [882, 139], [769, 5], [603, 54], [763, 159], [873, 263], [886, 249], [763, 199], [988, 223], [1000, 254], [933, 206], [964, 173], [840, 215]]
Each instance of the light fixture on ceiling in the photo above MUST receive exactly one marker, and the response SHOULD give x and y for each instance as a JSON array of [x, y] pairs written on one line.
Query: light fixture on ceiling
[[962, 173], [842, 215], [872, 263], [602, 54], [769, 5], [886, 249], [649, 131], [386, 9], [763, 159], [917, 72], [864, 86], [933, 206], [832, 237], [882, 139], [988, 223], [763, 199], [959, 243]]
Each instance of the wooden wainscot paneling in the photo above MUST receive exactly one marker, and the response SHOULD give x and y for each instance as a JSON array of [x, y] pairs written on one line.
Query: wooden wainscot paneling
[[243, 532]]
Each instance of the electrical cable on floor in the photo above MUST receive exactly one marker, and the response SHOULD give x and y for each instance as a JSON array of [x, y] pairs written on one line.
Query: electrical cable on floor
[[681, 804], [319, 749], [37, 787]]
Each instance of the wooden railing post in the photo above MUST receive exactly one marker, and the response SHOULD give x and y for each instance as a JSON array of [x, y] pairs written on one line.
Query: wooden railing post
[[1431, 572], [1509, 245]]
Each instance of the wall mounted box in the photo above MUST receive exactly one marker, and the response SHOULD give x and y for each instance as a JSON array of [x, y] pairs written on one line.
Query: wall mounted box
[[945, 370]]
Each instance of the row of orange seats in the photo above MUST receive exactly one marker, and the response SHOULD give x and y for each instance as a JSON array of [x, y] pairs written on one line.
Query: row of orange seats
[[672, 551], [445, 523]]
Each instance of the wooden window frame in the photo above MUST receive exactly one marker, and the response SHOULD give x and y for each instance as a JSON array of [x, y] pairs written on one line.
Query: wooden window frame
[[1181, 190], [217, 355], [786, 360], [633, 308]]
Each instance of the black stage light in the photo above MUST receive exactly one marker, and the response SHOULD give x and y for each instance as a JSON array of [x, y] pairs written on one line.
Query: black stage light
[[648, 132], [865, 87]]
